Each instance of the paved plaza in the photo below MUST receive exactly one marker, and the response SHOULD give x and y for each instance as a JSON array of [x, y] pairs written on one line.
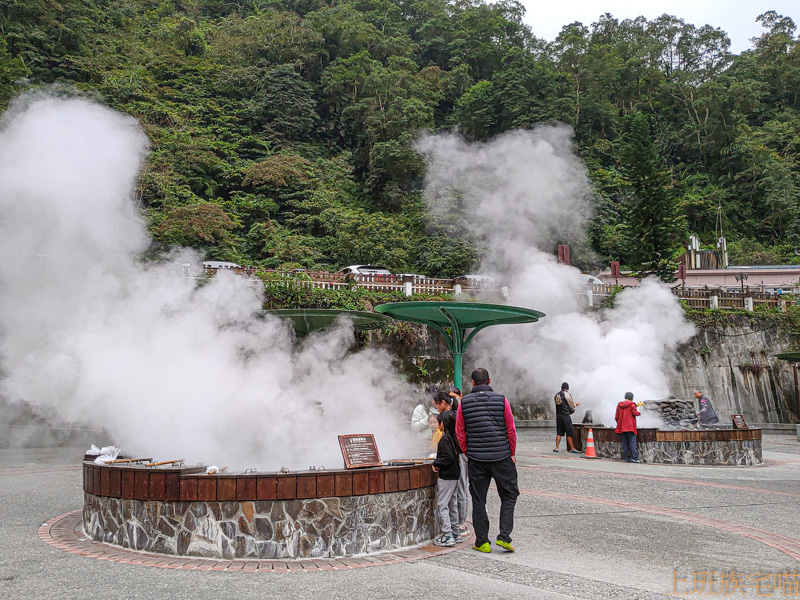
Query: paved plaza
[[584, 529]]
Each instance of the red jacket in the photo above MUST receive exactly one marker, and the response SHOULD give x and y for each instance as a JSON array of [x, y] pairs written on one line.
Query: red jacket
[[626, 416]]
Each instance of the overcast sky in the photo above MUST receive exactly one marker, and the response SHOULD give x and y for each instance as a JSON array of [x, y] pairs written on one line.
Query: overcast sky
[[735, 17]]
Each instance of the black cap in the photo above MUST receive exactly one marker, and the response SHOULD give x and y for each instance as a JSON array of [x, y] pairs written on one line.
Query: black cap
[[628, 395], [565, 386]]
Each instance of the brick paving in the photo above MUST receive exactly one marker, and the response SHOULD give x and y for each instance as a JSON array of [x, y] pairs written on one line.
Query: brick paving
[[787, 545], [724, 486], [65, 532]]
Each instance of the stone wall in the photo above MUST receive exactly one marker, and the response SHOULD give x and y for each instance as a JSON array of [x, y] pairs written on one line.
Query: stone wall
[[736, 368], [696, 447], [310, 528]]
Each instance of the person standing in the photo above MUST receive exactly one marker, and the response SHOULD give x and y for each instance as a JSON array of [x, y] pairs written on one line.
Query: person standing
[[463, 481], [419, 418], [487, 435], [565, 406], [705, 412], [626, 427], [447, 466]]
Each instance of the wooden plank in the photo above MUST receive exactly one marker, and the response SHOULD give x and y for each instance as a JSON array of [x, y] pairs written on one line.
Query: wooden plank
[[128, 487], [105, 476], [115, 482], [158, 486], [390, 481], [189, 489], [266, 488], [326, 486], [360, 484], [344, 484], [172, 490], [307, 486], [376, 482], [207, 488], [226, 488], [246, 488], [141, 484], [403, 478], [415, 478], [287, 487]]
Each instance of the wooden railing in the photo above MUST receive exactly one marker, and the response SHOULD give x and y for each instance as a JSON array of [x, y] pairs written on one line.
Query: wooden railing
[[595, 293], [705, 298], [381, 283]]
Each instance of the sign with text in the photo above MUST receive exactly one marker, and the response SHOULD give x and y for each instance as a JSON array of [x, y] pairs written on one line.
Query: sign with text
[[359, 450], [739, 422]]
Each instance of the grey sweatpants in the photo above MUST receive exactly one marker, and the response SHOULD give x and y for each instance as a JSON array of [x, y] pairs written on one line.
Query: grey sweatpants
[[446, 506], [462, 493]]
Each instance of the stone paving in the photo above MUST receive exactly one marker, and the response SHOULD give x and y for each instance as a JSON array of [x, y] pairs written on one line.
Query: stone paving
[[584, 529]]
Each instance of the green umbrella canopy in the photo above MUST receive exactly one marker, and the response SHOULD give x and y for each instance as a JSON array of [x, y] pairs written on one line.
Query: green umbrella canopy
[[790, 356], [312, 319], [453, 319]]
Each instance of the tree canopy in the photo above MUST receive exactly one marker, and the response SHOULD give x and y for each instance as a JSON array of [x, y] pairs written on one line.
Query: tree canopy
[[282, 132]]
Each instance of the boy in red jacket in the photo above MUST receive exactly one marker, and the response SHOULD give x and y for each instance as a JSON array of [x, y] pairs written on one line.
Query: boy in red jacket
[[626, 427]]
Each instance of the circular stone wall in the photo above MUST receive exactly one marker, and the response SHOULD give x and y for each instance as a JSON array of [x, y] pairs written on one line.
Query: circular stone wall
[[296, 515], [683, 447]]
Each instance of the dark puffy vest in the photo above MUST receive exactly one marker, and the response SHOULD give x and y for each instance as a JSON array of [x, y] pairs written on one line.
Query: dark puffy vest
[[484, 419]]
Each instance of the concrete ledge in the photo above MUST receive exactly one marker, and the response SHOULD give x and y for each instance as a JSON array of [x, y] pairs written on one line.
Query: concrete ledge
[[777, 428], [521, 423]]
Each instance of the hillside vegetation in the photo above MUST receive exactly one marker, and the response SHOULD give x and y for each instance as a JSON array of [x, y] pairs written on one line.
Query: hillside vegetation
[[282, 132]]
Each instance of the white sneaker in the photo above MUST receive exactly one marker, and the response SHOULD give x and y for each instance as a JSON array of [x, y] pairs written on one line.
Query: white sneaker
[[444, 541]]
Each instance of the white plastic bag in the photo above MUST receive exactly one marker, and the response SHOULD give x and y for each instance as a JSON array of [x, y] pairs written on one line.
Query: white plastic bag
[[107, 454]]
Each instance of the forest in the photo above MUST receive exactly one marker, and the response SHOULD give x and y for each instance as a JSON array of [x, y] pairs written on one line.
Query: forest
[[282, 133]]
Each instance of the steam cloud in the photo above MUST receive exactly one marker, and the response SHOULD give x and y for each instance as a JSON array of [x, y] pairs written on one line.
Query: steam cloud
[[522, 193], [89, 335]]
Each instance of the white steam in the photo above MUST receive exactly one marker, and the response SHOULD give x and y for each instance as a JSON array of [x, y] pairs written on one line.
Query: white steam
[[522, 193], [88, 335]]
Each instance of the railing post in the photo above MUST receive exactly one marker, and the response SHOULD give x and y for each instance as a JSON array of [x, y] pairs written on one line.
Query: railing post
[[408, 285], [748, 303], [713, 302], [457, 288], [590, 296]]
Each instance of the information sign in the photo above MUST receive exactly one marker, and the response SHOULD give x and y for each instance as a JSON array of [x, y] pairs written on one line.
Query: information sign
[[359, 450]]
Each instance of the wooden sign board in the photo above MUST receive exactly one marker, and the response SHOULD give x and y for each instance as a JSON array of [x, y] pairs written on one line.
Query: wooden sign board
[[739, 422], [359, 451]]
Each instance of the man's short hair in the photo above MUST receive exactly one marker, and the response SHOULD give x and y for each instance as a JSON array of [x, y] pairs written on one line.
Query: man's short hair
[[628, 395], [480, 376]]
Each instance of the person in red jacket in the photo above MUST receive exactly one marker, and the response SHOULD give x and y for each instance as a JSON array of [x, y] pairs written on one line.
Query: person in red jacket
[[626, 427]]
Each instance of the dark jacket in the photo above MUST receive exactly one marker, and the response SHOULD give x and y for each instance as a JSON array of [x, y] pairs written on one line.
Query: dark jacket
[[706, 413], [485, 425], [447, 458], [564, 404], [626, 417]]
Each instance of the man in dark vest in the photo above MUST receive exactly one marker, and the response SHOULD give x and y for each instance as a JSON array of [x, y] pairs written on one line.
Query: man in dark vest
[[487, 435]]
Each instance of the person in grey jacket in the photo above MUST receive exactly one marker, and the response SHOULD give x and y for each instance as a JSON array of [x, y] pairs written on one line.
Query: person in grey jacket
[[705, 412]]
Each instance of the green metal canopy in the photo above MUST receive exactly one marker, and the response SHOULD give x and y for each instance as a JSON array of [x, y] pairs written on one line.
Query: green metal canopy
[[311, 319], [790, 356], [453, 319]]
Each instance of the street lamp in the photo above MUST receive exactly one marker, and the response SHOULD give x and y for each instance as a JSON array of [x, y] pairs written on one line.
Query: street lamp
[[741, 277]]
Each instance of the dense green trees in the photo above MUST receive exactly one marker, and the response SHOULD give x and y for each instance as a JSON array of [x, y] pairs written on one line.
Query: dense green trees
[[283, 132]]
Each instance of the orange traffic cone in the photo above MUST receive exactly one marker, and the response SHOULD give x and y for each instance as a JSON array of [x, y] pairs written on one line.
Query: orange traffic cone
[[590, 453]]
